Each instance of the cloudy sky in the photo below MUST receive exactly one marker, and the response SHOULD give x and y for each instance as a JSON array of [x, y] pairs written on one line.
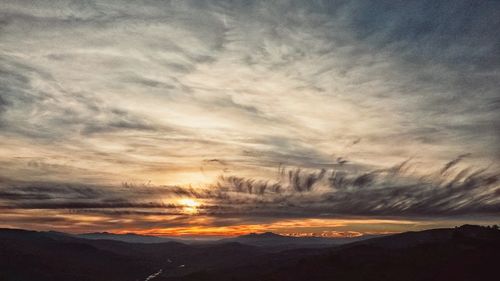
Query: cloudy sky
[[228, 117]]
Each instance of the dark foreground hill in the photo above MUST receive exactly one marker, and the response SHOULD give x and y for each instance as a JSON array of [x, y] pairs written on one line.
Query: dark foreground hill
[[29, 255], [464, 253]]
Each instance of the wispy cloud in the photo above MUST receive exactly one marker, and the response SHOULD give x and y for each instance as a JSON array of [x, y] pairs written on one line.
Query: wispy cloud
[[175, 93], [396, 192]]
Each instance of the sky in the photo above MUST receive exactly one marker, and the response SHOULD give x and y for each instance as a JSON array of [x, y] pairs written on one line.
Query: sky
[[220, 118]]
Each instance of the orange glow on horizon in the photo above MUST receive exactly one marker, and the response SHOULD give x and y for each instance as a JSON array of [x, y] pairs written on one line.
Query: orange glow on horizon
[[297, 228]]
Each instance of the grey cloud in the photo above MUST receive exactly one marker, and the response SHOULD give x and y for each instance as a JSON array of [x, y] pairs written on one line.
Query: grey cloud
[[118, 120], [345, 37], [297, 193], [444, 31], [453, 162], [3, 107], [390, 192], [35, 113], [149, 82]]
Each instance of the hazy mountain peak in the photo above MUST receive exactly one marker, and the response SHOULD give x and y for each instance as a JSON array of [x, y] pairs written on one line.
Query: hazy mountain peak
[[127, 237], [262, 235]]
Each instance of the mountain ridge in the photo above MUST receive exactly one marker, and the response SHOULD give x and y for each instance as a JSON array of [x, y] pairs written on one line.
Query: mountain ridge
[[461, 254]]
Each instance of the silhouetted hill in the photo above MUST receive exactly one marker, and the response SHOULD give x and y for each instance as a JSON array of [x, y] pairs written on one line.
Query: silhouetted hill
[[464, 253], [459, 254], [31, 255], [410, 239]]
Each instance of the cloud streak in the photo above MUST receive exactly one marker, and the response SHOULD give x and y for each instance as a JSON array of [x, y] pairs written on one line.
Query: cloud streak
[[297, 193]]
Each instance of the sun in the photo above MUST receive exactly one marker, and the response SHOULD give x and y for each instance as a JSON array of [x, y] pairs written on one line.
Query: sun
[[189, 205], [188, 202]]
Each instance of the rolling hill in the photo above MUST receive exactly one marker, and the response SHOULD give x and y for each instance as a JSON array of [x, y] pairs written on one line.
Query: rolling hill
[[462, 253]]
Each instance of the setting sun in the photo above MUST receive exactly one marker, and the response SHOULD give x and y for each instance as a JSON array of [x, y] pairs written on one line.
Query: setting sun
[[189, 205], [187, 202]]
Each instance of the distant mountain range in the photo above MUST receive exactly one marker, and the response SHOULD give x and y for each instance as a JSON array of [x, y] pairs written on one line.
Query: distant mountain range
[[459, 254], [128, 237], [269, 239]]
